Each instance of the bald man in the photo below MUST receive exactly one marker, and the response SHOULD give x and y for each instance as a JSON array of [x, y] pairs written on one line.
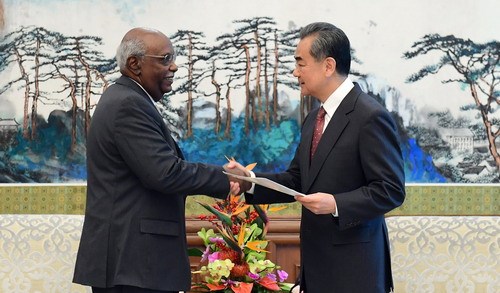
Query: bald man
[[134, 235]]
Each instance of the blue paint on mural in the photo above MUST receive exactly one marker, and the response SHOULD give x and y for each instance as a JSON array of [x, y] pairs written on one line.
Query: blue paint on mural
[[271, 149], [419, 167], [49, 158]]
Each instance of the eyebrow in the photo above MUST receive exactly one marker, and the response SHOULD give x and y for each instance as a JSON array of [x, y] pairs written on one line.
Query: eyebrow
[[298, 58]]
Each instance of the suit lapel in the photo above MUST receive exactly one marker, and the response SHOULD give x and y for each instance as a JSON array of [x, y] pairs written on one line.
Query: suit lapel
[[306, 137], [332, 133]]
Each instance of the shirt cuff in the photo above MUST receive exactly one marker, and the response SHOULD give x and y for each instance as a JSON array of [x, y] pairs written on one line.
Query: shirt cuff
[[251, 190], [336, 213]]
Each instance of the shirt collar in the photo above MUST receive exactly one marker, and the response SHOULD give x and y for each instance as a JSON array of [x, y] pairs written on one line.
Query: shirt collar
[[334, 100], [149, 96]]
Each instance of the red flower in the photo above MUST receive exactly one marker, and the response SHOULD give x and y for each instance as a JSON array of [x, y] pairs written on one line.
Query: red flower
[[242, 287], [239, 270], [230, 254], [269, 284], [213, 287]]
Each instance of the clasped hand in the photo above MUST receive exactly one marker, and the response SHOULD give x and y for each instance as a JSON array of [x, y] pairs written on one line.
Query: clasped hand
[[237, 186]]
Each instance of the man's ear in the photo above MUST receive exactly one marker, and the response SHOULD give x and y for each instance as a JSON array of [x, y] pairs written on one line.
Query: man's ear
[[134, 65], [330, 66]]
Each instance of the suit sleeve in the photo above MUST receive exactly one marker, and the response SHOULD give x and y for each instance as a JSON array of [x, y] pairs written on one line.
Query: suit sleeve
[[382, 165], [152, 156], [263, 195]]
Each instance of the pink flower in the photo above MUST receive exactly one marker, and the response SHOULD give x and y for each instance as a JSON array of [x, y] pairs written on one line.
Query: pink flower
[[282, 275], [271, 276], [229, 282], [253, 276], [205, 255], [213, 257], [216, 240]]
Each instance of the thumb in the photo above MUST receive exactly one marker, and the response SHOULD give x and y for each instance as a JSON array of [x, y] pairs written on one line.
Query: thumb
[[300, 198], [231, 165]]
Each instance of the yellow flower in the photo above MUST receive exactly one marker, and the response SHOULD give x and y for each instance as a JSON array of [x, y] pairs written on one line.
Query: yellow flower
[[220, 268]]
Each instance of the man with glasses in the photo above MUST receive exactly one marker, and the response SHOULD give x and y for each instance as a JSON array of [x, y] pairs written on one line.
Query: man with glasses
[[350, 167], [134, 235]]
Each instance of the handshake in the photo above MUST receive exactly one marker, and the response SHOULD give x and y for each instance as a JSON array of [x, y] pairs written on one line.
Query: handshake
[[237, 186]]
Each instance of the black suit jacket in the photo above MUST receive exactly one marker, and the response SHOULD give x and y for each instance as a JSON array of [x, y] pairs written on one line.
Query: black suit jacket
[[134, 230], [359, 161]]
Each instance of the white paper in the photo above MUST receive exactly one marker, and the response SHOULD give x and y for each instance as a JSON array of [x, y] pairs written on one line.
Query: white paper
[[267, 183]]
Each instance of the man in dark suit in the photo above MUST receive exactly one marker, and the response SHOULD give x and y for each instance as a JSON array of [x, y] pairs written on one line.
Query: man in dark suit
[[133, 237], [352, 177]]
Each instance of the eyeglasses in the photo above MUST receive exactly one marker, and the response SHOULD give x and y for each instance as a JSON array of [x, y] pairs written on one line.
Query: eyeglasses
[[166, 60]]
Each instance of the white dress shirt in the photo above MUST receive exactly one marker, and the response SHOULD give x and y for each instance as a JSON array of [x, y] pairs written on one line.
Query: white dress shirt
[[330, 105]]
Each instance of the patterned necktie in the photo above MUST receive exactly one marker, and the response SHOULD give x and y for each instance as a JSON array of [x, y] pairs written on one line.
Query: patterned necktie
[[318, 130]]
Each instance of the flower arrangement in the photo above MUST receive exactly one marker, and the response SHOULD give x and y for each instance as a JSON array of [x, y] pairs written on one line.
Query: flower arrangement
[[235, 254]]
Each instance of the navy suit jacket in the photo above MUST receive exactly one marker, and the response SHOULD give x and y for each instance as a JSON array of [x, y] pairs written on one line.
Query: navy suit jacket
[[134, 230], [359, 161]]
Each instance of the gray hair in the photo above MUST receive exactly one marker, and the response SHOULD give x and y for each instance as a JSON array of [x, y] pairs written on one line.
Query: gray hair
[[128, 48], [330, 42]]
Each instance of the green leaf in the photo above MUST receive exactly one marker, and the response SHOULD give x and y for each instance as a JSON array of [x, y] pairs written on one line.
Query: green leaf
[[262, 221], [194, 252], [205, 235], [231, 242], [255, 232], [224, 218], [261, 212], [286, 287]]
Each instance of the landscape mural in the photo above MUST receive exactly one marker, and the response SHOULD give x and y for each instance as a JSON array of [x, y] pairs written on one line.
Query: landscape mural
[[234, 94]]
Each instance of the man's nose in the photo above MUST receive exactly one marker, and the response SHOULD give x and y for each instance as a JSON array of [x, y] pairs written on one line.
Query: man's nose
[[295, 72], [173, 67]]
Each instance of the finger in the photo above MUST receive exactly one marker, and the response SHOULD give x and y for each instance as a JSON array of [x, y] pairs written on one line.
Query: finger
[[231, 165], [303, 198], [235, 188]]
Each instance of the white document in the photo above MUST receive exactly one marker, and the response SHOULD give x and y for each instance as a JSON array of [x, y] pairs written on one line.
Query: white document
[[267, 183]]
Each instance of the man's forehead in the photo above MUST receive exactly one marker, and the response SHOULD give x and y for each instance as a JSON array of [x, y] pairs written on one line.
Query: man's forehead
[[159, 43], [302, 49]]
